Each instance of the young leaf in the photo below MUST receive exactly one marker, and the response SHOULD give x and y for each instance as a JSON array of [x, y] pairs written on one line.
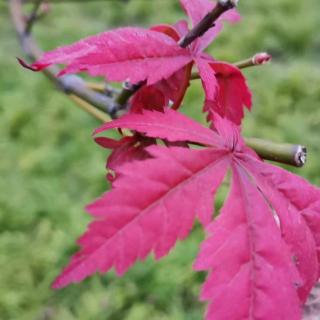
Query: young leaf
[[148, 98], [232, 92], [175, 87]]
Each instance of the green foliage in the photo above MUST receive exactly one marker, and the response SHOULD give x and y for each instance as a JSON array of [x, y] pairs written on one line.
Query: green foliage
[[50, 168]]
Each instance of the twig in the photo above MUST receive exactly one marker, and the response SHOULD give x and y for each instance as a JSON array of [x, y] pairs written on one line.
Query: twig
[[33, 16], [69, 84], [99, 87], [257, 60], [90, 109], [207, 22]]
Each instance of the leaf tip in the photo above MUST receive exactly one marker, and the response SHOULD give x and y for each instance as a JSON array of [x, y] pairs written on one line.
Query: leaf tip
[[33, 67]]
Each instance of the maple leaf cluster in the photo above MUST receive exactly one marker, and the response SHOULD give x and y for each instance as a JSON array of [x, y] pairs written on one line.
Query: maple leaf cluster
[[262, 251]]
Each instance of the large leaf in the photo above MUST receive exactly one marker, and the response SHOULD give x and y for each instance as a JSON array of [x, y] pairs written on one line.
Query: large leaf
[[129, 226], [296, 204], [252, 274], [133, 54], [263, 250]]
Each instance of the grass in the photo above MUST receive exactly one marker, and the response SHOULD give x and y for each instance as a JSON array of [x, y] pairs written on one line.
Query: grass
[[50, 168]]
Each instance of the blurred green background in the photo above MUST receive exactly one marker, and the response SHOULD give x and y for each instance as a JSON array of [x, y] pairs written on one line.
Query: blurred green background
[[50, 167]]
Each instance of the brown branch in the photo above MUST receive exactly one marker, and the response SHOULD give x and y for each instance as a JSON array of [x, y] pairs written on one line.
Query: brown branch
[[207, 22], [33, 16], [69, 84]]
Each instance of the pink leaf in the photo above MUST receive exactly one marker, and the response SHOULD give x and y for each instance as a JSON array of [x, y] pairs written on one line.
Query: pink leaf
[[262, 252], [232, 93], [298, 212], [148, 98], [168, 30], [311, 215], [181, 27], [175, 87], [129, 226], [248, 259], [132, 54], [196, 10], [169, 125], [208, 78]]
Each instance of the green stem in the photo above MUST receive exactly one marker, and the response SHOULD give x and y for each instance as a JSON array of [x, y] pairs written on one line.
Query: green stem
[[250, 62], [292, 154]]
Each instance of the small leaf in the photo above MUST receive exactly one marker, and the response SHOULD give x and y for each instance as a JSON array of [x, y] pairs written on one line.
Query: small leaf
[[232, 93]]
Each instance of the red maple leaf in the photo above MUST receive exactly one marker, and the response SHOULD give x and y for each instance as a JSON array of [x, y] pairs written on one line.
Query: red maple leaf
[[262, 250], [154, 56]]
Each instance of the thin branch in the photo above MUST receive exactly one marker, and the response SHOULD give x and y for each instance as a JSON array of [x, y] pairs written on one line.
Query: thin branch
[[256, 60], [127, 92], [207, 22], [33, 16], [99, 87], [69, 84], [102, 116]]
